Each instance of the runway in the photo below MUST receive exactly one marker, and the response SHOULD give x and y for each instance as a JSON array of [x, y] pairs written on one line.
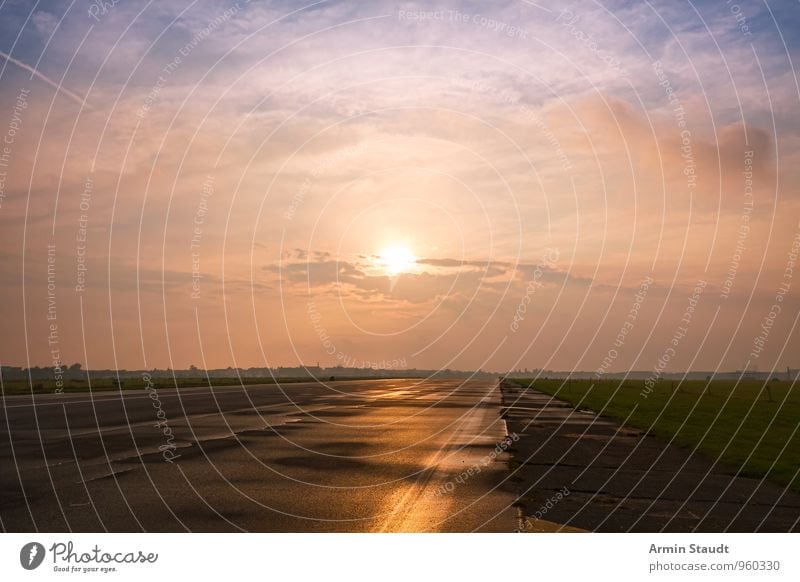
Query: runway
[[362, 456]]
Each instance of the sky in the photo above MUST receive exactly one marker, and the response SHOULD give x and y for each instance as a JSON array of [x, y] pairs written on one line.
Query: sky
[[594, 186]]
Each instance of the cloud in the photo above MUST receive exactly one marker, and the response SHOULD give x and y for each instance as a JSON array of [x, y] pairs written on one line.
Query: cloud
[[45, 22], [432, 280], [445, 134], [57, 86]]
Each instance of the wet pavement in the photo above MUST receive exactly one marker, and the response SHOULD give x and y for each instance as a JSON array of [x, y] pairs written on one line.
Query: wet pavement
[[580, 470], [362, 456], [373, 455]]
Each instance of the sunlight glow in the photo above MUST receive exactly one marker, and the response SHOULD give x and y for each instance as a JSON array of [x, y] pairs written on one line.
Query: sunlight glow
[[396, 259]]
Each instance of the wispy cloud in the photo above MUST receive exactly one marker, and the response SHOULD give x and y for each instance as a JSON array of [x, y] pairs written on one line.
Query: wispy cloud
[[57, 86], [475, 134]]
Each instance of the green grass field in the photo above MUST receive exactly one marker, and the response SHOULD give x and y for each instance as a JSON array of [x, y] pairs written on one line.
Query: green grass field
[[751, 427]]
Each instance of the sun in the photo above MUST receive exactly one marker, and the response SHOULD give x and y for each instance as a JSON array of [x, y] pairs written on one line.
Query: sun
[[396, 259]]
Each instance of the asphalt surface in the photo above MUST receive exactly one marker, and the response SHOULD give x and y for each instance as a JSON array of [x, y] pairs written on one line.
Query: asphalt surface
[[361, 456], [577, 469], [358, 456]]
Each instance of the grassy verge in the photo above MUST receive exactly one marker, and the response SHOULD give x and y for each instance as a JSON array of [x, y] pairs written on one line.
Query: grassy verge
[[751, 427], [11, 387]]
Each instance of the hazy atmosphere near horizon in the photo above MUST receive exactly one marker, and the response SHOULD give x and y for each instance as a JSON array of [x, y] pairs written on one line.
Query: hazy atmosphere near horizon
[[565, 187]]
